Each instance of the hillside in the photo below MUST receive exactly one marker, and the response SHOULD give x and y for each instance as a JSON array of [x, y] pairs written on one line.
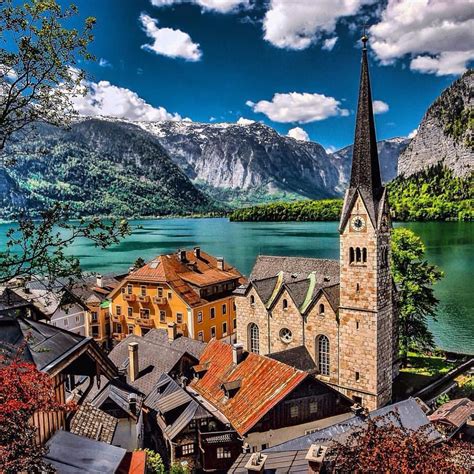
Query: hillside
[[446, 134], [100, 168]]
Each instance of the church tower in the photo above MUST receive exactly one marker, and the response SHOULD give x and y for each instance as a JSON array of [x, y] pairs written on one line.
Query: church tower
[[366, 312]]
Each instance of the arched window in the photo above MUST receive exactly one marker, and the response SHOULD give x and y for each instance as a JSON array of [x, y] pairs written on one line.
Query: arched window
[[351, 255], [358, 255], [364, 255], [253, 338], [322, 343], [285, 304], [252, 299], [321, 309]]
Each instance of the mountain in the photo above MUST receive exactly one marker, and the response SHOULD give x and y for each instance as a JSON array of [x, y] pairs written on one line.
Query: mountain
[[445, 136], [389, 151], [100, 167], [247, 163]]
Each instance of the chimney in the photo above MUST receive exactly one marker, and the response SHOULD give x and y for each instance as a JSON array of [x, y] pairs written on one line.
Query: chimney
[[99, 280], [315, 457], [197, 252], [132, 402], [182, 255], [133, 368], [237, 353], [172, 331], [220, 263], [256, 463]]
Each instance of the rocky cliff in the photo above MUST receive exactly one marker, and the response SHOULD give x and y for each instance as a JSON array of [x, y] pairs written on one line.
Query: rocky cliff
[[445, 136]]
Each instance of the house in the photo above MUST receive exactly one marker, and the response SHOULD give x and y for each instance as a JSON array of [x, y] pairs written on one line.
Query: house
[[308, 453], [61, 354], [194, 432], [452, 417], [265, 401], [190, 290], [344, 312]]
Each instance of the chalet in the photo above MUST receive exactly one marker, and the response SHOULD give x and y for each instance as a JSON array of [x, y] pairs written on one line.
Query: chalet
[[265, 401], [190, 290]]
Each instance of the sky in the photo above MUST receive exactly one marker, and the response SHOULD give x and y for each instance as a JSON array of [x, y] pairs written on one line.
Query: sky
[[291, 64]]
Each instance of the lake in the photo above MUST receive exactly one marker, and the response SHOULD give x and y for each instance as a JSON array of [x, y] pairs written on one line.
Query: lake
[[449, 245]]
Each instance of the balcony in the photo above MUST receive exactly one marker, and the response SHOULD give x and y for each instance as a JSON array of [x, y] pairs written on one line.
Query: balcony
[[148, 323], [116, 318], [144, 299], [160, 300], [130, 297]]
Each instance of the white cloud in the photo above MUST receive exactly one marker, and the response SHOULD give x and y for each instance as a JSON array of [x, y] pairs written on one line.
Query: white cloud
[[298, 134], [297, 24], [298, 107], [169, 42], [413, 133], [244, 121], [104, 63], [437, 34], [328, 44], [380, 107], [220, 6], [103, 98]]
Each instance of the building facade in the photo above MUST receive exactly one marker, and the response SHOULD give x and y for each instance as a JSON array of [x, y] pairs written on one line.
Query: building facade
[[343, 312], [190, 292]]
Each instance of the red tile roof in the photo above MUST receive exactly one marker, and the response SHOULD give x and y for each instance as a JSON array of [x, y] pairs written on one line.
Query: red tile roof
[[264, 382], [456, 412], [198, 271]]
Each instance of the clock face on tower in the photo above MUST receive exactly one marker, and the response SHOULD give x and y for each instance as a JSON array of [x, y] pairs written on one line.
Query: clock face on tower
[[358, 223]]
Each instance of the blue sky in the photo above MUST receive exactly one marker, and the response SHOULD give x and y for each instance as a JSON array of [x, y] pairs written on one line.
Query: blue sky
[[275, 61]]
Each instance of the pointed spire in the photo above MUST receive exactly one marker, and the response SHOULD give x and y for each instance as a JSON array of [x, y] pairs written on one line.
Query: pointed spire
[[365, 162]]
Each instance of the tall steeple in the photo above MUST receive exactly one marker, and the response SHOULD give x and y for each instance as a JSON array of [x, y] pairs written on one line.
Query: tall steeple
[[365, 172]]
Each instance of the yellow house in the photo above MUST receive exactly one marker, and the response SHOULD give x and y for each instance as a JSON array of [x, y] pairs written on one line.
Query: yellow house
[[187, 293]]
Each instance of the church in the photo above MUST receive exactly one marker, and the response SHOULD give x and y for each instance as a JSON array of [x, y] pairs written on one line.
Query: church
[[338, 319]]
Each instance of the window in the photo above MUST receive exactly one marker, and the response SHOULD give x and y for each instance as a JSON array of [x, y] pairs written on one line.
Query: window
[[252, 299], [234, 323], [321, 309], [285, 335], [313, 407], [351, 255], [253, 338], [358, 255], [130, 328], [160, 292], [224, 309], [129, 289], [145, 331], [179, 318], [357, 324], [285, 304], [118, 310], [364, 255], [187, 449], [323, 354], [95, 331], [357, 399], [294, 411], [143, 290], [224, 329], [170, 295], [213, 313], [130, 312], [123, 289], [162, 316], [201, 336], [234, 306], [145, 313], [200, 317], [223, 452], [357, 287], [213, 331], [357, 375], [77, 319], [118, 328]]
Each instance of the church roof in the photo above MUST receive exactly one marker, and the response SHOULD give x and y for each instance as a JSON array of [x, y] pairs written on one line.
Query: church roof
[[365, 173]]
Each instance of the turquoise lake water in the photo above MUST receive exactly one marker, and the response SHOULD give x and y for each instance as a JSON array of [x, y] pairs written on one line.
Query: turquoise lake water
[[449, 245]]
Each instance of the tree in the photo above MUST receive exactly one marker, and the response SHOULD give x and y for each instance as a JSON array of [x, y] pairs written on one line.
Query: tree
[[38, 78], [23, 391], [383, 444], [414, 277], [139, 263]]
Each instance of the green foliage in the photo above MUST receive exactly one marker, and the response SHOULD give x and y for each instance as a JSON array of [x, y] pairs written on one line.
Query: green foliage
[[178, 468], [442, 399], [433, 194], [429, 365], [154, 463], [139, 263], [414, 277]]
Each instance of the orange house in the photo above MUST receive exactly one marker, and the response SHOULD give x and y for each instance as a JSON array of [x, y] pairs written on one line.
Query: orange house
[[188, 293]]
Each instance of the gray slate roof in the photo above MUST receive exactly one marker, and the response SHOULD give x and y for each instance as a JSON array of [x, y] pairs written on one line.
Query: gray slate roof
[[72, 454], [297, 357]]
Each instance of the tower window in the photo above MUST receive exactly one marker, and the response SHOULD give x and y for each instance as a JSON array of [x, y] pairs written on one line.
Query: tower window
[[323, 354], [364, 255], [321, 309], [357, 287], [357, 376], [358, 255], [351, 255], [252, 299], [254, 338], [285, 304], [357, 324]]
